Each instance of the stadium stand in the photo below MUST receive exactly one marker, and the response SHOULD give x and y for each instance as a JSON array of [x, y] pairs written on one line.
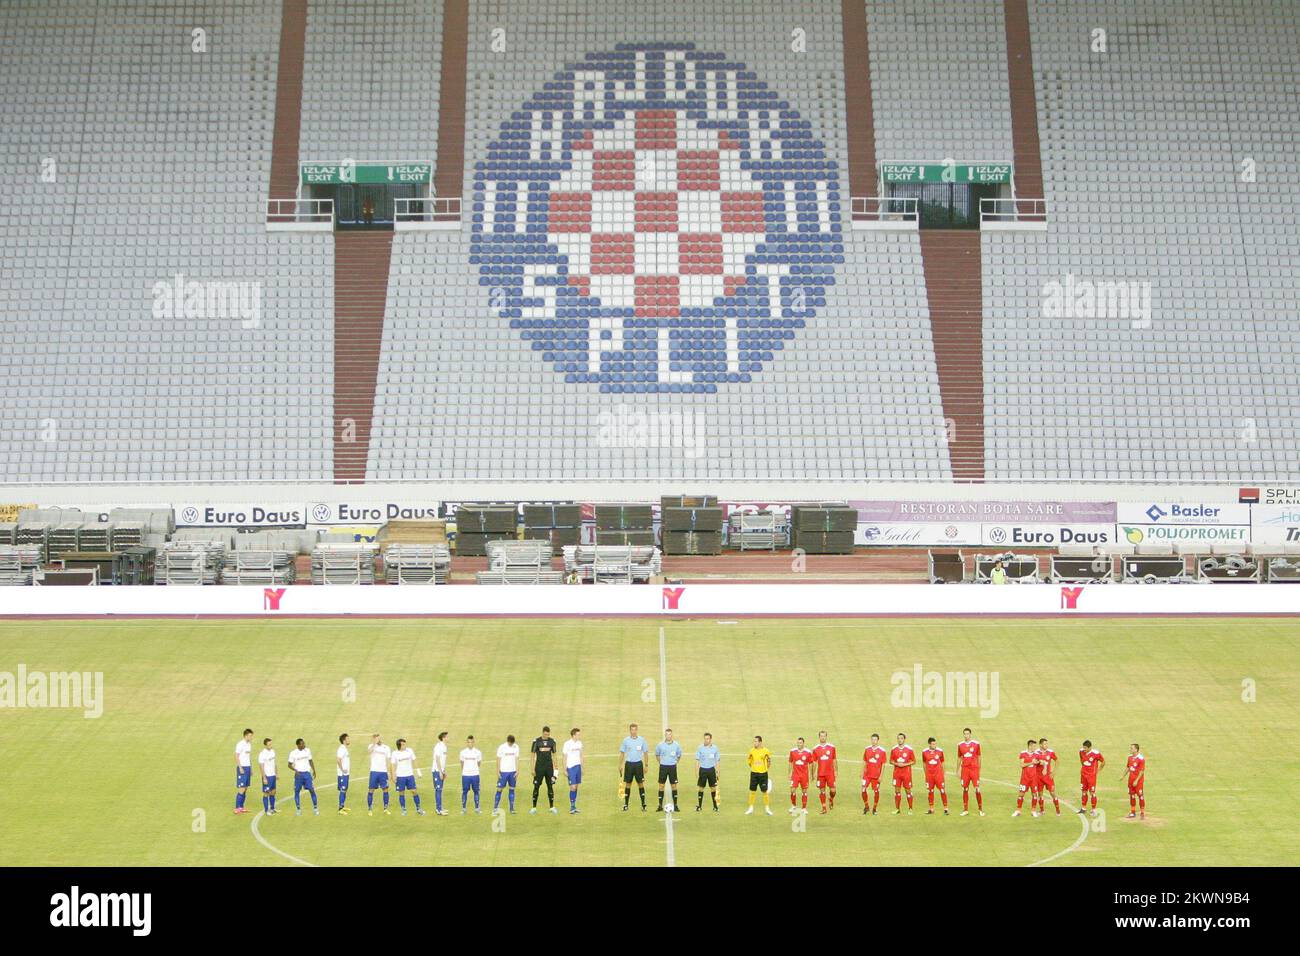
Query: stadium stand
[[799, 349]]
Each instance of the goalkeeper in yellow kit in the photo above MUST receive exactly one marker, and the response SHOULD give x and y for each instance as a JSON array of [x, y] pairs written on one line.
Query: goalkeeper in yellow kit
[[759, 759]]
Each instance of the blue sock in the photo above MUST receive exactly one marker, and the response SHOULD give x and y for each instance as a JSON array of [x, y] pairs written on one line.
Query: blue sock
[[266, 803], [512, 799], [370, 800], [297, 799], [573, 798], [496, 801], [401, 799], [239, 800], [272, 801], [313, 799], [343, 795], [416, 798], [385, 799]]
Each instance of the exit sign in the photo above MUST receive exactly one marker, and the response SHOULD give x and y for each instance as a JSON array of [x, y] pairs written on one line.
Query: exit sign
[[964, 173]]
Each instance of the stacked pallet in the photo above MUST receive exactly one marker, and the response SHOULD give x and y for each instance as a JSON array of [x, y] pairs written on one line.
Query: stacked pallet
[[754, 531], [18, 564], [823, 528], [257, 567], [413, 532], [343, 563], [417, 563], [125, 534], [691, 530], [95, 536], [519, 562], [559, 524], [191, 561], [612, 564], [8, 529], [687, 501], [63, 538], [476, 525], [628, 525], [34, 534]]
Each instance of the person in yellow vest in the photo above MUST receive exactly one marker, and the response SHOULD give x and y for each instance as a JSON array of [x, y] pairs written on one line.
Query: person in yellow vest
[[759, 759], [998, 575]]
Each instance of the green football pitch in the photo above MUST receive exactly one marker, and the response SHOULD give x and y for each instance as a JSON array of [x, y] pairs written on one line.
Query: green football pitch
[[1213, 703]]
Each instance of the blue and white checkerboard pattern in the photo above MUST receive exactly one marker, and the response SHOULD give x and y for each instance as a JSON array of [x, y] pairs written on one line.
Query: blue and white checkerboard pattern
[[655, 219]]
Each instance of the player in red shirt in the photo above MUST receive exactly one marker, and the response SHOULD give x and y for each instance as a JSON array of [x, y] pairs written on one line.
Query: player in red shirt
[[1090, 763], [903, 758], [828, 768], [873, 761], [1137, 772], [932, 757], [968, 754], [801, 759], [1028, 778], [1046, 772]]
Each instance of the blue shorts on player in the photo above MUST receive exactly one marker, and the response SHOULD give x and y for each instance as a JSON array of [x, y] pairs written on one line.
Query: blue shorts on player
[[343, 783], [269, 786], [242, 776], [575, 775], [378, 780], [405, 783], [467, 784], [507, 778]]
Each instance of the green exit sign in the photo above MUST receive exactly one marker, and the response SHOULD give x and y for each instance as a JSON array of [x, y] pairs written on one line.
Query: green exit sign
[[333, 174], [964, 173]]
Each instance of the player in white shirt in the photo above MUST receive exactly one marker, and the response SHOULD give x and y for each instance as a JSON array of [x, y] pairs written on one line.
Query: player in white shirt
[[343, 761], [470, 759], [404, 774], [507, 771], [380, 756], [439, 771], [304, 776], [266, 760], [573, 766], [243, 769]]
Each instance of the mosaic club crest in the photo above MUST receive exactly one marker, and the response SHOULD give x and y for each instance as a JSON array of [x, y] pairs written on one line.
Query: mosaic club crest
[[655, 219]]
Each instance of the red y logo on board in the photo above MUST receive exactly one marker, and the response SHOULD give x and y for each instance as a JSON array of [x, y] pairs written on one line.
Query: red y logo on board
[[271, 598], [1070, 598], [671, 597]]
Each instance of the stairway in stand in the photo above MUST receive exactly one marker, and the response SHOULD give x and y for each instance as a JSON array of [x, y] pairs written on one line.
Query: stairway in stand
[[361, 263], [954, 288]]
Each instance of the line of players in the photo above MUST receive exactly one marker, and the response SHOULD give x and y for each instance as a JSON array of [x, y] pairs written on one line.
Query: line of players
[[401, 764], [1038, 763]]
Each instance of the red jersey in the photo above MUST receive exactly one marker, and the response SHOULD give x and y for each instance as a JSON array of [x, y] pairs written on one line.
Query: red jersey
[[902, 753], [1045, 760], [1029, 774], [968, 752], [825, 754], [933, 759], [873, 761], [1137, 765], [1090, 762], [800, 759]]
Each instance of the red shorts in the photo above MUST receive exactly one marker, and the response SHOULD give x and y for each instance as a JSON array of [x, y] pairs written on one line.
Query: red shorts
[[872, 782], [1047, 783], [902, 776], [1088, 781], [826, 781], [934, 780], [799, 780], [970, 775], [1029, 781], [1135, 786]]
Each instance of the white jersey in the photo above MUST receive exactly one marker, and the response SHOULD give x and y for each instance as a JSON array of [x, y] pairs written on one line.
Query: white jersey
[[300, 760], [572, 752], [404, 762], [379, 756], [470, 758], [266, 760], [508, 758], [440, 757], [345, 760], [244, 753]]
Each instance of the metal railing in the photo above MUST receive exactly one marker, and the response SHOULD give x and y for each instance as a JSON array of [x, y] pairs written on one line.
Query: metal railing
[[426, 209], [885, 208], [299, 211], [1013, 210]]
